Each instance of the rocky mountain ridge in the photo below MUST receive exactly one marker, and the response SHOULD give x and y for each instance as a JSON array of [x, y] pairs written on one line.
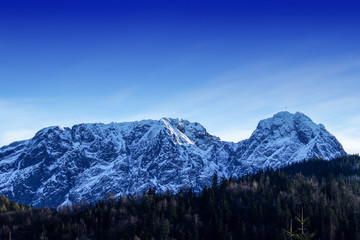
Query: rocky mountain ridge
[[64, 165]]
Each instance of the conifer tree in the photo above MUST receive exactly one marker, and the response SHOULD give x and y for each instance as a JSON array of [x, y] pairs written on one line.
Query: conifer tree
[[300, 233]]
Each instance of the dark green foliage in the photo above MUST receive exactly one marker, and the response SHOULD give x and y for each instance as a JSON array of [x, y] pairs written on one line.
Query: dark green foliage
[[343, 166], [258, 206]]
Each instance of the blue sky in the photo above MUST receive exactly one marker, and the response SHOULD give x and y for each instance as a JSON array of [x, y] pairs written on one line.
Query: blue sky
[[225, 64]]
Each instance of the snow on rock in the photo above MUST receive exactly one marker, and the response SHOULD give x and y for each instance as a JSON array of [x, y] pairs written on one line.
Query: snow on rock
[[59, 166]]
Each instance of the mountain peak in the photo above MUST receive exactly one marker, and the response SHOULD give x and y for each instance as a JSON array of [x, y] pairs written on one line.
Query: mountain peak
[[287, 120], [286, 138], [283, 114], [87, 161]]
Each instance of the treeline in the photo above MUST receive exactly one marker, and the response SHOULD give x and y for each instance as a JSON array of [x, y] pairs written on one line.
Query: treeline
[[343, 166], [258, 206]]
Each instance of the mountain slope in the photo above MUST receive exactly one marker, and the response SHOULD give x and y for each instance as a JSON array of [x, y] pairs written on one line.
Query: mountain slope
[[63, 165], [286, 138]]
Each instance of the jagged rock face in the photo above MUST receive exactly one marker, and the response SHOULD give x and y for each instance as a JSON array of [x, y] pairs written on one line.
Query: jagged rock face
[[286, 138], [86, 162]]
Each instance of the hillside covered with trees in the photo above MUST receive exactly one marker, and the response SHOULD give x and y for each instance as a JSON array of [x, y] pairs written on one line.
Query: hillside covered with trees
[[259, 206]]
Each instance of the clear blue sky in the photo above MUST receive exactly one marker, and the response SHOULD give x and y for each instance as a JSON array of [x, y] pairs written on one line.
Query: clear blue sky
[[225, 64]]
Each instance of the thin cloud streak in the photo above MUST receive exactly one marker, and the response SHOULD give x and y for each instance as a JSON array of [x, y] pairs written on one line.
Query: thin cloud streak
[[229, 105]]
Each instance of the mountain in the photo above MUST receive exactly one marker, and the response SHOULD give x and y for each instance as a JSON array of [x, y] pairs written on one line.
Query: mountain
[[63, 165], [283, 139]]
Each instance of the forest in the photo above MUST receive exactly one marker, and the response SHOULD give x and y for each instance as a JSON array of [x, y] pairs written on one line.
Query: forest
[[258, 206]]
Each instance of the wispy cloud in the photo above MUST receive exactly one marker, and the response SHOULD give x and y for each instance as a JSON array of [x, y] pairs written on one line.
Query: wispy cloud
[[232, 104], [228, 105], [120, 96]]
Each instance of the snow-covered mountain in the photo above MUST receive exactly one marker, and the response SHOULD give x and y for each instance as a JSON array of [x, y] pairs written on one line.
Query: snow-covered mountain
[[88, 161]]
